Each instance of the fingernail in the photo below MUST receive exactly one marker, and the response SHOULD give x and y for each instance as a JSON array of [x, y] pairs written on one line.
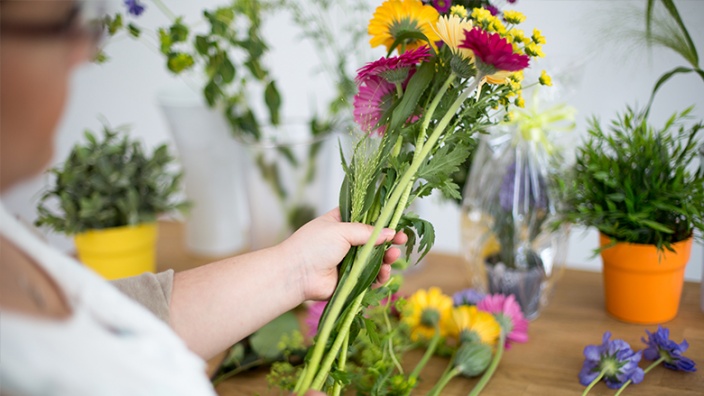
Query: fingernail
[[388, 232]]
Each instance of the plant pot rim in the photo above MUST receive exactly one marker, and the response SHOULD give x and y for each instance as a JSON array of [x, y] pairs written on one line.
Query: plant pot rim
[[605, 239]]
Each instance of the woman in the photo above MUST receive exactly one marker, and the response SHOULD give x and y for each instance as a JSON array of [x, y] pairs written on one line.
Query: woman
[[66, 331]]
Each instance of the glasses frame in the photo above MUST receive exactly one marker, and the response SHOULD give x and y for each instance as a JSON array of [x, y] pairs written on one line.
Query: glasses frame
[[73, 26]]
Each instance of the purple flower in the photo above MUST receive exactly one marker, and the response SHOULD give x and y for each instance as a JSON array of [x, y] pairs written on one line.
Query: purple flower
[[532, 190], [443, 6], [615, 359], [493, 10], [134, 7], [467, 297], [661, 346]]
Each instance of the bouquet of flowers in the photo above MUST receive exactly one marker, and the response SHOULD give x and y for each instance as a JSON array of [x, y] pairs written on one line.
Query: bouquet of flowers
[[449, 72]]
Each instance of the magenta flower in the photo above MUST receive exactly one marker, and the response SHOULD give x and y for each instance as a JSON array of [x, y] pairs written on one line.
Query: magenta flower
[[375, 96], [661, 346], [613, 361], [493, 10], [315, 311], [394, 69], [509, 315], [492, 52], [443, 6]]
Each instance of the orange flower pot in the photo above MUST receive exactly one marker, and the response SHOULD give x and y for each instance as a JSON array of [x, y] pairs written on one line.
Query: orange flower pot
[[641, 285]]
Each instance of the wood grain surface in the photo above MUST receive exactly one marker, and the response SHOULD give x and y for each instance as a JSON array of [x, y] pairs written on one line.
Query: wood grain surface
[[548, 364]]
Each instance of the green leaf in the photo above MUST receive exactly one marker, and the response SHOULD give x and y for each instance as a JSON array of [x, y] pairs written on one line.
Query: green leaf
[[265, 341], [692, 57], [407, 36], [179, 61], [178, 31], [415, 88], [666, 77], [273, 102], [134, 30], [202, 45]]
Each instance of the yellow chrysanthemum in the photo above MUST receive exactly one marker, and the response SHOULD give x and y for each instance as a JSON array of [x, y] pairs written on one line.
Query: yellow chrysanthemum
[[545, 79], [482, 15], [514, 17], [534, 50], [520, 102], [517, 36], [426, 311], [538, 37], [517, 76], [495, 25], [471, 325], [458, 10], [395, 17], [450, 29]]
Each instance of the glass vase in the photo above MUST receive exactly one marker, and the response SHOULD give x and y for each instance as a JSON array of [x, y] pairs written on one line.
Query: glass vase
[[288, 181], [507, 237]]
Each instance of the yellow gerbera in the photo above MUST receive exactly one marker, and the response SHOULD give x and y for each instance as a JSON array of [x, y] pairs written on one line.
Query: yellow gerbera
[[426, 311], [395, 17], [450, 29], [471, 324]]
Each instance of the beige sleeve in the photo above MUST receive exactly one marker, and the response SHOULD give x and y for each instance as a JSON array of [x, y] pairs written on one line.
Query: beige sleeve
[[153, 291]]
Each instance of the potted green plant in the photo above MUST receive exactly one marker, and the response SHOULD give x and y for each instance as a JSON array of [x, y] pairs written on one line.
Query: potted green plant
[[636, 186], [109, 194], [639, 187]]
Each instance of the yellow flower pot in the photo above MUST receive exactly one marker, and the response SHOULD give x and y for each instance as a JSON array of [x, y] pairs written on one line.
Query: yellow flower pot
[[119, 252]]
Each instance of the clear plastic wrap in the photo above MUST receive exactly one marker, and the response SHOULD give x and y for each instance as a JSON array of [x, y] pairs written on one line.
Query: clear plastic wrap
[[508, 209]]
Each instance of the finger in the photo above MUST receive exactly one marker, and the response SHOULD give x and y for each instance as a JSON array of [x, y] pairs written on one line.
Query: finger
[[384, 274], [391, 255], [400, 238], [335, 214], [357, 234]]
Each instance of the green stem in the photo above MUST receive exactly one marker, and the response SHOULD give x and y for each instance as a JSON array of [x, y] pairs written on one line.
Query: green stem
[[444, 380], [341, 362], [342, 335], [591, 385], [365, 253], [390, 343], [399, 90], [426, 357], [160, 5], [242, 368], [492, 366], [431, 110], [653, 365]]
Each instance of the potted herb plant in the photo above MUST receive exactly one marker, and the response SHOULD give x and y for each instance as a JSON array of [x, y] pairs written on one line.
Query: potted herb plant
[[639, 187], [109, 194], [636, 186]]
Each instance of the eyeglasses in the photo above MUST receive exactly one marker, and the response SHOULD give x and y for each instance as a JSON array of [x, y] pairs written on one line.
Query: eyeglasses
[[84, 20]]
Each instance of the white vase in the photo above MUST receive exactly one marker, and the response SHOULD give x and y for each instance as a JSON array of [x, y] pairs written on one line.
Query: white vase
[[288, 176], [211, 162]]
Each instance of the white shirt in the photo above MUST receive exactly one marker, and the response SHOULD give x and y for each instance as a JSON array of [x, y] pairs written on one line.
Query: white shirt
[[109, 345]]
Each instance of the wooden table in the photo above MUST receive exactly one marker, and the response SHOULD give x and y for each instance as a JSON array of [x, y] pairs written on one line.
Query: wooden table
[[548, 364]]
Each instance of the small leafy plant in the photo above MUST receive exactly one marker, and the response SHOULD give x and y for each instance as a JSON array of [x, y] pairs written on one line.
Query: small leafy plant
[[110, 183], [635, 184]]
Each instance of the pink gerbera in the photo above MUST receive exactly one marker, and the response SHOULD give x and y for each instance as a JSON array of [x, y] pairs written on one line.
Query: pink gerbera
[[375, 96], [492, 52], [394, 69], [315, 311], [509, 315]]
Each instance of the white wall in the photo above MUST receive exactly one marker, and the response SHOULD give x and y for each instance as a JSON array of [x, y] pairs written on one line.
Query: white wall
[[124, 90]]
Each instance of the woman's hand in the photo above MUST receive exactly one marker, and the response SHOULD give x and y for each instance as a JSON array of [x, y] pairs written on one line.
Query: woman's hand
[[319, 246]]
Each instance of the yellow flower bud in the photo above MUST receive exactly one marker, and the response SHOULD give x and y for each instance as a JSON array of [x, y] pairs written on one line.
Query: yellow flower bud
[[458, 10], [545, 79], [514, 17]]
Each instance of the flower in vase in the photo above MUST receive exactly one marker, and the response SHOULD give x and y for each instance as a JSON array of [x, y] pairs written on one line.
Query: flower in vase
[[458, 10], [614, 360], [509, 315], [426, 312], [467, 297], [474, 326], [514, 17], [531, 193], [394, 18], [661, 346], [394, 69]]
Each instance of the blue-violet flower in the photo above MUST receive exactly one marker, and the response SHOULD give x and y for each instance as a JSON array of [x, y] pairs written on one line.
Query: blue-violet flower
[[661, 346], [614, 361], [134, 7]]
